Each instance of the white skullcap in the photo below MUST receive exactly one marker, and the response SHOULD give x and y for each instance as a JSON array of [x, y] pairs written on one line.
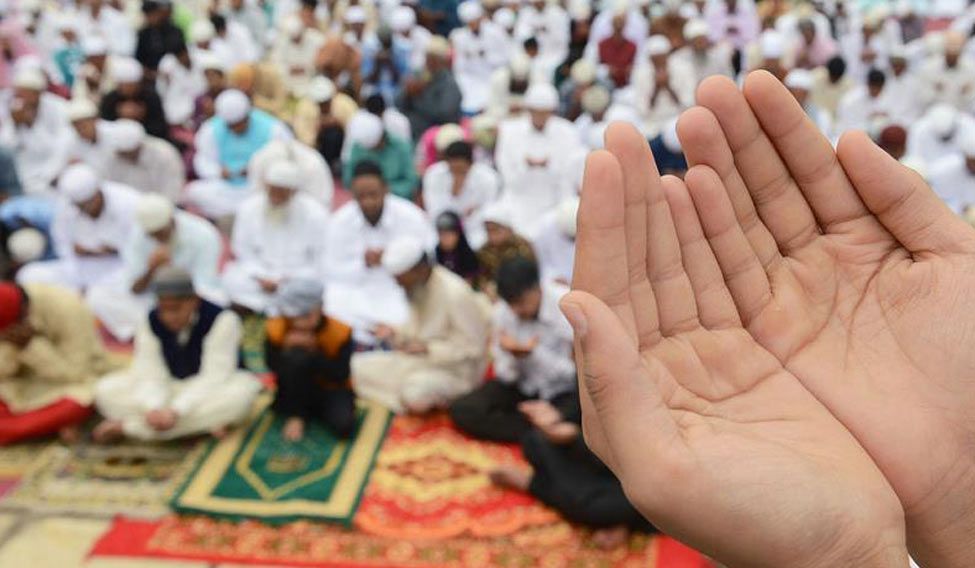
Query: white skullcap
[[596, 99], [30, 78], [897, 51], [942, 117], [469, 11], [658, 45], [403, 19], [202, 30], [208, 61], [447, 135], [78, 183], [321, 89], [438, 46], [93, 46], [232, 106], [694, 29], [126, 70], [299, 296], [565, 216], [668, 135], [521, 65], [26, 245], [542, 96], [283, 173], [402, 255], [355, 15], [497, 213], [365, 129], [505, 17], [127, 135], [583, 72], [579, 10], [800, 79], [154, 212], [966, 143], [292, 26], [917, 164], [81, 109], [773, 44]]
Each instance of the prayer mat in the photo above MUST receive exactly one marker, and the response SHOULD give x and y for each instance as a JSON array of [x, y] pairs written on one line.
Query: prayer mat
[[17, 459], [252, 345], [558, 545], [130, 478], [255, 474]]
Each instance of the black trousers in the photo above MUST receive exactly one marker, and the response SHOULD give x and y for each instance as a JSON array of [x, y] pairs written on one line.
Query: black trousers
[[491, 412], [329, 145], [306, 390]]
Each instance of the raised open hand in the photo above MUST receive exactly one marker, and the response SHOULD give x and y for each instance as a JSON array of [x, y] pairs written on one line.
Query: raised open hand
[[861, 282], [714, 440]]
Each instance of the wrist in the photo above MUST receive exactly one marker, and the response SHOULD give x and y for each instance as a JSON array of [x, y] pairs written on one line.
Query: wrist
[[941, 534]]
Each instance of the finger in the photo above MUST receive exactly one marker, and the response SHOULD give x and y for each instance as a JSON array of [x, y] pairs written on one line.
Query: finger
[[704, 143], [902, 201], [632, 421], [640, 179], [746, 278], [601, 267], [807, 154], [715, 306], [777, 198]]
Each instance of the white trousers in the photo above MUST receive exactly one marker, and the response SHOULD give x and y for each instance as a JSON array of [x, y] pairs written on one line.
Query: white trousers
[[75, 273], [407, 383], [242, 288], [216, 198]]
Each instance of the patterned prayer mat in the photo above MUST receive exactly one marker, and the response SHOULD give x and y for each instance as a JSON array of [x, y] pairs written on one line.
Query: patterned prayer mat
[[18, 459], [255, 474]]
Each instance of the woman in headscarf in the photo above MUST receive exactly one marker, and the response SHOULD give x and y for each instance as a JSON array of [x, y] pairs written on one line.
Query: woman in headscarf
[[453, 250]]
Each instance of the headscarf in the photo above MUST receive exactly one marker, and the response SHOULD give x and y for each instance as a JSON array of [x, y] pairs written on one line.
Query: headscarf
[[462, 261]]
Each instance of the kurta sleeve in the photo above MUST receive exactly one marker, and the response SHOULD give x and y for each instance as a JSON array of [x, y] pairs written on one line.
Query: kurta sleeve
[[505, 364], [221, 351], [149, 372], [64, 355], [206, 161]]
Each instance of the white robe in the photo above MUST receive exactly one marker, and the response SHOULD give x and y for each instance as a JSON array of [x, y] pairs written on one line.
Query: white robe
[[859, 111], [112, 26], [296, 60], [716, 61], [665, 108], [476, 56], [551, 27], [316, 178], [480, 188], [555, 251], [179, 88], [159, 169], [955, 87], [41, 149], [924, 143], [904, 101], [94, 154], [953, 182]]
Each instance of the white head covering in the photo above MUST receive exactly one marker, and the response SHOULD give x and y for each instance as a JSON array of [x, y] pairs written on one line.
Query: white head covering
[[232, 106], [596, 99], [695, 28], [299, 296], [800, 79], [93, 46], [520, 65], [497, 213], [542, 96], [154, 212], [78, 183], [355, 15], [447, 135], [208, 61], [126, 70], [565, 216], [283, 173], [583, 72], [668, 135], [505, 18], [469, 11], [127, 135], [321, 89], [292, 26], [81, 109], [30, 78], [402, 255], [402, 20], [365, 129], [773, 44], [438, 46], [658, 45], [202, 30], [26, 245], [943, 117]]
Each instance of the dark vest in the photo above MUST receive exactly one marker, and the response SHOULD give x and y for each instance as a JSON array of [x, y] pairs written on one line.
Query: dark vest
[[184, 360]]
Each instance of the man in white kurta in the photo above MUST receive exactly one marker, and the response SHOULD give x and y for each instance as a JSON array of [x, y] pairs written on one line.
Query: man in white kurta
[[938, 133], [440, 353], [91, 135], [314, 174], [865, 106], [663, 87], [549, 24], [144, 163], [279, 235], [479, 47], [534, 153], [700, 57], [184, 378], [953, 176], [180, 81], [358, 290], [460, 185], [949, 78], [294, 52], [555, 243]]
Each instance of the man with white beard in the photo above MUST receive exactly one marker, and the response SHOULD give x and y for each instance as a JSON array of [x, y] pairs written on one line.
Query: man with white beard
[[479, 48], [279, 235]]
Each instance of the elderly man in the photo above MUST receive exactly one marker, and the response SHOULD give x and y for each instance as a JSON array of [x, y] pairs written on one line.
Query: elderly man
[[360, 291], [50, 355], [662, 87], [145, 163], [702, 56], [458, 184], [92, 224], [310, 355], [431, 97], [555, 243], [91, 141], [534, 153], [279, 235], [224, 146], [165, 237], [294, 52], [134, 99], [315, 178], [949, 78], [440, 353], [371, 142], [184, 378], [479, 48]]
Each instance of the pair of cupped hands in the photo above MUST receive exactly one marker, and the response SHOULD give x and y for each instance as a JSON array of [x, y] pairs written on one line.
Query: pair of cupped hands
[[776, 353]]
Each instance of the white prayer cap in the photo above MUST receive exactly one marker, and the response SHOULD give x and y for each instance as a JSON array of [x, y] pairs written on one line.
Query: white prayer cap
[[78, 183], [299, 296], [154, 212], [202, 30], [469, 11], [402, 255], [658, 45], [321, 89], [505, 17], [583, 72], [541, 96], [800, 79], [917, 164], [292, 26], [521, 65], [565, 216], [208, 61], [127, 135], [438, 46], [365, 129], [30, 78], [403, 19], [773, 44], [81, 109], [687, 11], [283, 173], [497, 213], [232, 106], [695, 28], [596, 99], [126, 70], [26, 245], [966, 143], [669, 137], [355, 15], [579, 10], [93, 46], [484, 121], [942, 118], [447, 135]]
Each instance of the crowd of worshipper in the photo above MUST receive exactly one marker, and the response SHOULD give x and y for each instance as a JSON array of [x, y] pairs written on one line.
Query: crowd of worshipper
[[170, 171]]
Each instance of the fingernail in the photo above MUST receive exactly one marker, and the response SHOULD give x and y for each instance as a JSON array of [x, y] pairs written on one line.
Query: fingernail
[[577, 318]]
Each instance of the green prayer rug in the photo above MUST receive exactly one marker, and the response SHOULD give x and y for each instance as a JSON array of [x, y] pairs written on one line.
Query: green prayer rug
[[255, 474]]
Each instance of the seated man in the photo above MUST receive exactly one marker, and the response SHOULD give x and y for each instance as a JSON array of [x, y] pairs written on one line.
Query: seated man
[[184, 379], [502, 244], [441, 351], [370, 141], [145, 163], [50, 355], [555, 242], [532, 349], [310, 355]]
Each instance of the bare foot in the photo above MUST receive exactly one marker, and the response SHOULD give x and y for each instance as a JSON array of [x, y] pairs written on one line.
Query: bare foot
[[511, 477], [70, 434], [609, 539], [294, 430], [107, 432], [221, 432]]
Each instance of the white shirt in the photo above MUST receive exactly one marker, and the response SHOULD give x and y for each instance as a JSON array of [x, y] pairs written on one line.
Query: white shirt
[[480, 188], [206, 162], [859, 111], [179, 88], [924, 143], [550, 27], [316, 178], [939, 84], [953, 182], [476, 56], [195, 247], [555, 250], [113, 228], [158, 169], [296, 60], [41, 149], [112, 26], [665, 107], [94, 154]]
